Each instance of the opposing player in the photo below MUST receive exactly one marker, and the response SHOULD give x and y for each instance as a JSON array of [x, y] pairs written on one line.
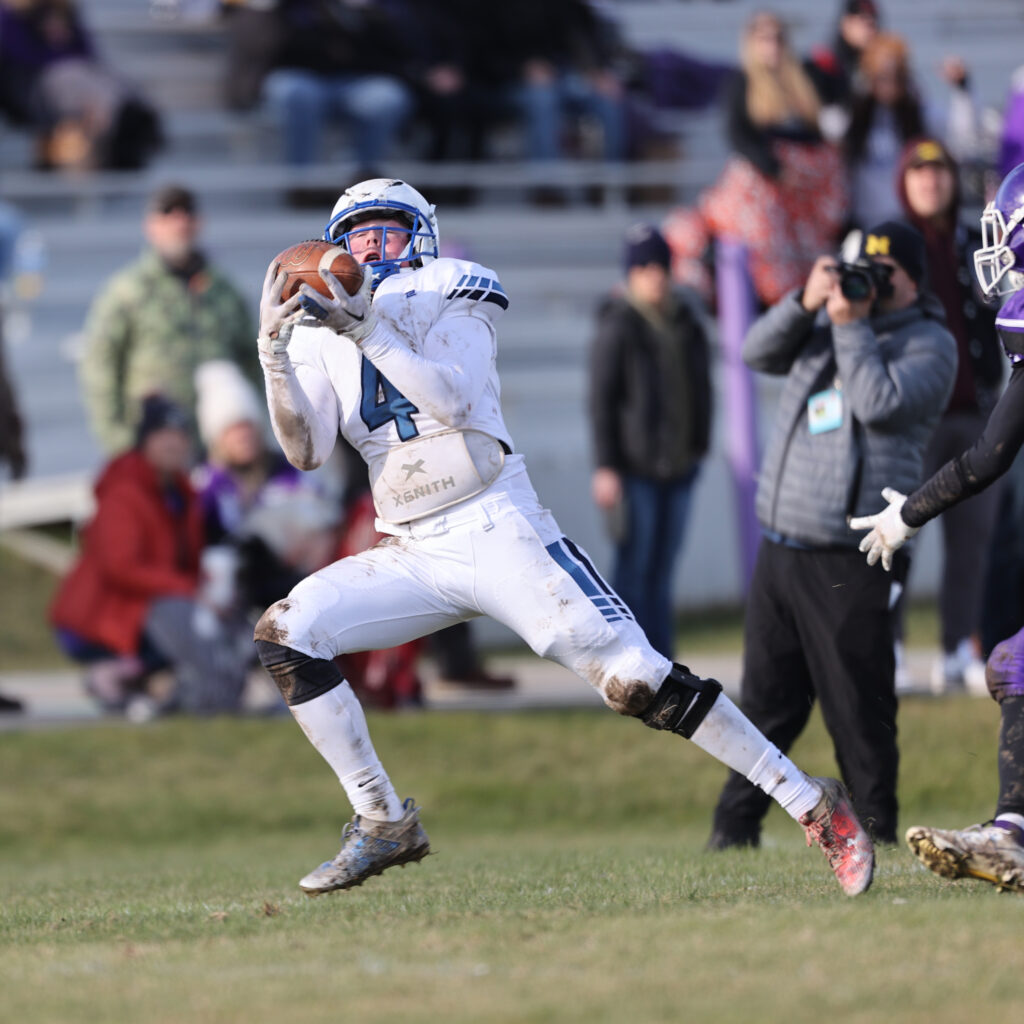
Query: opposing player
[[994, 851], [405, 370]]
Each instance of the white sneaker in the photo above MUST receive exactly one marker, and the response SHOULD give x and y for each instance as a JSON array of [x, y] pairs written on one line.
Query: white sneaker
[[975, 681], [904, 680], [952, 671]]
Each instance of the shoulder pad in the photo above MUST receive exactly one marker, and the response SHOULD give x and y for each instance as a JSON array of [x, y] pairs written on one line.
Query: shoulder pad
[[1011, 316], [468, 287]]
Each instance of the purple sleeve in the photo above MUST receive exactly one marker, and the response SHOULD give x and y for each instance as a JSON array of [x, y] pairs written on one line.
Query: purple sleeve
[[983, 463]]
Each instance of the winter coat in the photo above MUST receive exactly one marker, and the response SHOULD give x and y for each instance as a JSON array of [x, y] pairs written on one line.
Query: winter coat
[[895, 373], [148, 330], [627, 395], [134, 550]]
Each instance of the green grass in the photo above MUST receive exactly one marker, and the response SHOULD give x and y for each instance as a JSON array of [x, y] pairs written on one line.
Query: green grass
[[149, 874]]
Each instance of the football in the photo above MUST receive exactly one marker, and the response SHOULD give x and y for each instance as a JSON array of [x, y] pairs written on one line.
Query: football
[[303, 262]]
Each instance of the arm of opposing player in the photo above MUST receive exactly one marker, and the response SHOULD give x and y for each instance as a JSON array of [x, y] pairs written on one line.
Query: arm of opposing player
[[450, 374]]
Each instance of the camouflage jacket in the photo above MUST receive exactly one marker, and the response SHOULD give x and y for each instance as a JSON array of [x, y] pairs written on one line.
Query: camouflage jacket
[[148, 330]]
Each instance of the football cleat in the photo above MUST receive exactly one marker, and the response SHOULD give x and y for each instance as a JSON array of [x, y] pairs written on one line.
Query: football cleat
[[987, 852], [367, 848], [834, 826]]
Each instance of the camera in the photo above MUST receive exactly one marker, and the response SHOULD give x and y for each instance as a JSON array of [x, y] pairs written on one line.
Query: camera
[[858, 280]]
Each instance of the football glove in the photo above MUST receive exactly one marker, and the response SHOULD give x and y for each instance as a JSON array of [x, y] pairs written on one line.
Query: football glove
[[888, 533], [351, 315], [276, 317]]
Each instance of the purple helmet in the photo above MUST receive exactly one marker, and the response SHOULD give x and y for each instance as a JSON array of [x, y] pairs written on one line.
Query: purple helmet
[[999, 263]]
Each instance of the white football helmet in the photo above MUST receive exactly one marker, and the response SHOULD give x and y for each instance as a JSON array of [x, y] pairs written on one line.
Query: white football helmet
[[999, 263], [390, 199]]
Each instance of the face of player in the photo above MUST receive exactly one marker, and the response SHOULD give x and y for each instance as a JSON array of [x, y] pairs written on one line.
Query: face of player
[[930, 189], [368, 243]]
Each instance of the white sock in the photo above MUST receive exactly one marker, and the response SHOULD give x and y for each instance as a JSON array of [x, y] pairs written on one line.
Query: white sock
[[728, 735], [335, 724]]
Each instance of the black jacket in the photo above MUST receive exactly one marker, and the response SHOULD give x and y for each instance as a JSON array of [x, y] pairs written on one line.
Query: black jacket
[[627, 393]]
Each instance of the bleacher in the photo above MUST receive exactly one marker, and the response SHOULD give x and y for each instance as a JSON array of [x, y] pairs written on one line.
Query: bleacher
[[555, 264]]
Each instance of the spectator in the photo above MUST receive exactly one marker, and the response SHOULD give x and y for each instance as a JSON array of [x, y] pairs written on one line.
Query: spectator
[[650, 412], [157, 319], [134, 600], [836, 68], [278, 521], [886, 114], [928, 188], [866, 381], [315, 61], [781, 193], [564, 62], [52, 80]]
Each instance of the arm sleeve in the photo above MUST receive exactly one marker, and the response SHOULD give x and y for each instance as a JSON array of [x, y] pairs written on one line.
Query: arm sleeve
[[449, 375], [983, 463], [897, 391], [777, 336], [115, 537], [303, 409], [605, 394], [103, 370]]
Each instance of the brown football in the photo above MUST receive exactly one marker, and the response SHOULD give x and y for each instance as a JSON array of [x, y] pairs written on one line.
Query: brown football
[[303, 262]]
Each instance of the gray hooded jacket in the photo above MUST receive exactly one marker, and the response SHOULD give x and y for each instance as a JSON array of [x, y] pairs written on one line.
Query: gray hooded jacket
[[894, 373]]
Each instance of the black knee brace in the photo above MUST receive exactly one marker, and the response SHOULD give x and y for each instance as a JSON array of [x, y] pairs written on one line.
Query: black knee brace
[[682, 703], [298, 676]]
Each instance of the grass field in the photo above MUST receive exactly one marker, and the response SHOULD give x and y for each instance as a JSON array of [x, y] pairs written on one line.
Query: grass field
[[148, 875]]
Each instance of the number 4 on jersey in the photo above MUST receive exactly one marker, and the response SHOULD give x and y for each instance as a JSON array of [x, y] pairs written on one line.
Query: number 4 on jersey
[[382, 402]]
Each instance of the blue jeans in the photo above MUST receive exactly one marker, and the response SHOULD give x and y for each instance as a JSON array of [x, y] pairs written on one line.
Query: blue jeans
[[542, 107], [374, 106], [645, 558]]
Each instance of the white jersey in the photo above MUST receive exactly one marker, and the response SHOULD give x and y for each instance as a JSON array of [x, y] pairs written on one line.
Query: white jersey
[[426, 367]]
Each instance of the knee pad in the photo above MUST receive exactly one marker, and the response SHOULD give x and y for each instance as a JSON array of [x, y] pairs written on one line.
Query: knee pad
[[298, 676], [1004, 670], [682, 703]]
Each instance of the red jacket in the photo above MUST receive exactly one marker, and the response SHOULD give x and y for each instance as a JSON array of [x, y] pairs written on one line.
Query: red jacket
[[134, 550]]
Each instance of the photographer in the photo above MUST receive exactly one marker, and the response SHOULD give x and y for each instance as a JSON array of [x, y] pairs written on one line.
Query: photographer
[[869, 366]]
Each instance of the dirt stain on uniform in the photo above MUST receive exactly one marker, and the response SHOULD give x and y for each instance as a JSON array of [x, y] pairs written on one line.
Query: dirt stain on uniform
[[627, 697], [269, 628]]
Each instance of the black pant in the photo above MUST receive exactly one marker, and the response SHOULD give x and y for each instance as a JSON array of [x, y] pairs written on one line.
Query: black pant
[[818, 627]]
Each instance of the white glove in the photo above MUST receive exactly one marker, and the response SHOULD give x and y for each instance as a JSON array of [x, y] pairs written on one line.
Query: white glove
[[888, 531], [351, 315], [276, 317]]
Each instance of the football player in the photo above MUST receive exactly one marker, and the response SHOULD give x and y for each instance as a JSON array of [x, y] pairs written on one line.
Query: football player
[[994, 851], [405, 370]]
